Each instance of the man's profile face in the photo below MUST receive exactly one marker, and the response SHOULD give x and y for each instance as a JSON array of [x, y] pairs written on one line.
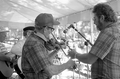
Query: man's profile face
[[48, 30], [97, 22]]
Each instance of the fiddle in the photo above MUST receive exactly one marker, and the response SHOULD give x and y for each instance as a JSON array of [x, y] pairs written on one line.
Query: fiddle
[[52, 45]]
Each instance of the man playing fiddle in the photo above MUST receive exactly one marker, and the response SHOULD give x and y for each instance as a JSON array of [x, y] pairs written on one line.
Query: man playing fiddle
[[35, 58]]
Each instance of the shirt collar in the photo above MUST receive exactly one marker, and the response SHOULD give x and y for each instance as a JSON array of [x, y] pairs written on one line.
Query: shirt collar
[[41, 36]]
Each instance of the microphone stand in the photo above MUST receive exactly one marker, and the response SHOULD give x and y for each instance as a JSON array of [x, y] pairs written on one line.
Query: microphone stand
[[86, 43], [82, 36]]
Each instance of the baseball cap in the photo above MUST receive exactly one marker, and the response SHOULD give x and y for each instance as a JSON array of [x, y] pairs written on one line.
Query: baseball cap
[[44, 19]]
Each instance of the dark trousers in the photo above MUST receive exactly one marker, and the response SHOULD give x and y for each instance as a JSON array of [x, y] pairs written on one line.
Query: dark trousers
[[2, 76], [18, 71]]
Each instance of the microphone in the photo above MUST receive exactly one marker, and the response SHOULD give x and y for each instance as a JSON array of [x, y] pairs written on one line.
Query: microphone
[[71, 26]]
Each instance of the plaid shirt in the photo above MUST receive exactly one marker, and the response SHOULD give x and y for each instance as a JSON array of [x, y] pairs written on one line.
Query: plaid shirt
[[107, 49], [35, 58]]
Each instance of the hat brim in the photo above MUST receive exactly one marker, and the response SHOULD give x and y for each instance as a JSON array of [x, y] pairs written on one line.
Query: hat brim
[[56, 22]]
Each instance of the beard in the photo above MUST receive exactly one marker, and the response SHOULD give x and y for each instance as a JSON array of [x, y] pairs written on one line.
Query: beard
[[99, 26]]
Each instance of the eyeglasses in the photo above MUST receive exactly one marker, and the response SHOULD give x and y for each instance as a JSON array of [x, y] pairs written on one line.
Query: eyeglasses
[[51, 28]]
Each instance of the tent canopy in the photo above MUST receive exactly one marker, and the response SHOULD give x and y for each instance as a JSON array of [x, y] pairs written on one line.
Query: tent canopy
[[25, 11]]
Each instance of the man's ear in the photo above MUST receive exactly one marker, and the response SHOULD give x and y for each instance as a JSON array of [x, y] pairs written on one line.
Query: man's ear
[[102, 18], [28, 33], [45, 29]]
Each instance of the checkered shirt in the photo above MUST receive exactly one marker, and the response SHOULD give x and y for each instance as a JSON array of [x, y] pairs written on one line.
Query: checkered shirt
[[35, 59], [107, 49]]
